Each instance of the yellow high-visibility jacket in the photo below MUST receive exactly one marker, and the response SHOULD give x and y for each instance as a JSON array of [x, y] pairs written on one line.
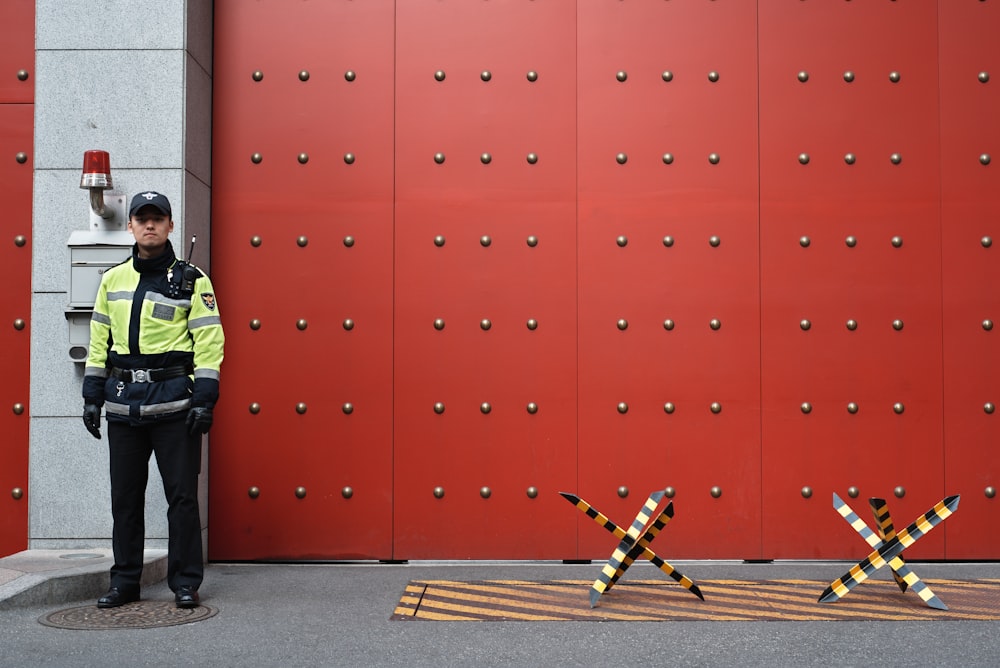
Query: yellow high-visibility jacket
[[146, 325]]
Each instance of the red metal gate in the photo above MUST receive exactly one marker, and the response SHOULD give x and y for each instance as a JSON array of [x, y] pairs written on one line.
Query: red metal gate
[[668, 274], [17, 57], [970, 218], [851, 268], [471, 254], [301, 465]]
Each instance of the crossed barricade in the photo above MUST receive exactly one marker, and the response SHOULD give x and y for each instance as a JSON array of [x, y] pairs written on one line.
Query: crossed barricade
[[888, 546]]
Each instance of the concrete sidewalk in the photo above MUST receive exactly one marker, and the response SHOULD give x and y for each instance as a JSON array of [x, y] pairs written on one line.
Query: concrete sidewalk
[[324, 614], [51, 577]]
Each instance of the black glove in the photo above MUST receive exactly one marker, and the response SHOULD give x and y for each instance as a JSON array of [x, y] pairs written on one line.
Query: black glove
[[199, 420], [92, 419]]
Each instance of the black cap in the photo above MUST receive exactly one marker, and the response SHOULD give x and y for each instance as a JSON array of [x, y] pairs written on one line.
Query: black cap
[[150, 198]]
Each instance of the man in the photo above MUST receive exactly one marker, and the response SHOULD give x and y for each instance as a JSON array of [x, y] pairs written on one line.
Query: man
[[156, 346]]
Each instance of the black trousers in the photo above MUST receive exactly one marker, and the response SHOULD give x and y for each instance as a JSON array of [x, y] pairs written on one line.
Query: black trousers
[[178, 456]]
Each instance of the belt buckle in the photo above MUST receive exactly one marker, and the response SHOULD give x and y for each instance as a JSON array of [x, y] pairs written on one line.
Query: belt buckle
[[140, 376]]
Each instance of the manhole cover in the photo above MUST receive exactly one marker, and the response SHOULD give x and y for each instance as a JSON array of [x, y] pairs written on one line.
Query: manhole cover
[[138, 615]]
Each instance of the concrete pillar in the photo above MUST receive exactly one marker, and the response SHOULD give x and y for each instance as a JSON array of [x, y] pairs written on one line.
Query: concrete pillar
[[134, 78]]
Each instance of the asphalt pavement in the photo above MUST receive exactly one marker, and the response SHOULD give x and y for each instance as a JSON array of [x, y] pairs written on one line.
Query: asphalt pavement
[[338, 614]]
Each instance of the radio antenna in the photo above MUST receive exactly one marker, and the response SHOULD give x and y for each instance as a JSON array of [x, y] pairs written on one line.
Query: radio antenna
[[194, 237]]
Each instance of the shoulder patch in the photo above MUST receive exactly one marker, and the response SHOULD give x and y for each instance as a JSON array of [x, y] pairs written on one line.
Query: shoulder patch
[[208, 299]]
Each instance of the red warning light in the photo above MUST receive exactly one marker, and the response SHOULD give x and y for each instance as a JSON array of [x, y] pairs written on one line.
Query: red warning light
[[96, 170]]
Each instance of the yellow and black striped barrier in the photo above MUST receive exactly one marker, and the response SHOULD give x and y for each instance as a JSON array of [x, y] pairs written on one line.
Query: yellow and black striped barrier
[[725, 601], [632, 545], [901, 573], [888, 551]]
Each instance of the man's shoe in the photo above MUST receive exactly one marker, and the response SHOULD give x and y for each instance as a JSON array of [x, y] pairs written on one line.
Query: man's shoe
[[116, 597], [186, 597]]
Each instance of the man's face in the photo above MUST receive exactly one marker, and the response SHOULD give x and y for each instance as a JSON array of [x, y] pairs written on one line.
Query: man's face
[[151, 230]]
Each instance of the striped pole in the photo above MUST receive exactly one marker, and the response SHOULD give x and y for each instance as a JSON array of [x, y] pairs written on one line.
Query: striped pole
[[890, 549], [883, 520], [631, 548], [901, 572]]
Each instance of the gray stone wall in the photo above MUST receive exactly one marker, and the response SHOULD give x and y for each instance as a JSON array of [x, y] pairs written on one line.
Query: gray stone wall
[[134, 78]]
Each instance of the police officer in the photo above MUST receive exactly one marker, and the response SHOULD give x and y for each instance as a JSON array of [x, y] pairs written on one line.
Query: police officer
[[156, 347]]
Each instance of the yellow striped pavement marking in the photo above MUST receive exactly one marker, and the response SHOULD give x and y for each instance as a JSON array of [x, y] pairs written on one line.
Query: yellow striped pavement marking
[[647, 600]]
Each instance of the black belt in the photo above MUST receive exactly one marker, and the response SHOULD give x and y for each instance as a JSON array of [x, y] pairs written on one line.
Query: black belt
[[150, 375]]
